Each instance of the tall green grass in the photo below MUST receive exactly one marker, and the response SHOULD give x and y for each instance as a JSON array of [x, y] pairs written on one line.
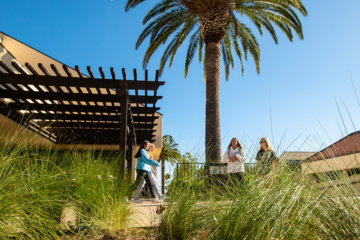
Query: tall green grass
[[51, 194], [283, 205]]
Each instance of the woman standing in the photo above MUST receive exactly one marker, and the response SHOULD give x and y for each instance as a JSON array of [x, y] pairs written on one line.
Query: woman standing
[[144, 170], [157, 189], [266, 157], [235, 158]]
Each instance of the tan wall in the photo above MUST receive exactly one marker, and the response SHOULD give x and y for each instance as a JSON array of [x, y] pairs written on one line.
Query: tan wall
[[332, 164], [25, 54], [11, 133], [158, 135]]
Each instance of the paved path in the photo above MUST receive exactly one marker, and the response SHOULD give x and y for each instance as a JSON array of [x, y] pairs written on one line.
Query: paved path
[[145, 213]]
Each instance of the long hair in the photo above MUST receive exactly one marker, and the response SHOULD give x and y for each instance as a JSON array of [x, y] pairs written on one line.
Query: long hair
[[138, 153], [239, 145], [268, 144], [151, 156]]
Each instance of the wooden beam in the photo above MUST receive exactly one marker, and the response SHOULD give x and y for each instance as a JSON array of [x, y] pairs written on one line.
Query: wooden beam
[[90, 72], [19, 68], [61, 116], [108, 132], [31, 69], [4, 66], [78, 71], [148, 126], [62, 96], [56, 71], [43, 69], [75, 82], [79, 108]]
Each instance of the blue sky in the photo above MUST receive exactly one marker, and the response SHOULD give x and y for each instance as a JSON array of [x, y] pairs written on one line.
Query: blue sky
[[306, 77]]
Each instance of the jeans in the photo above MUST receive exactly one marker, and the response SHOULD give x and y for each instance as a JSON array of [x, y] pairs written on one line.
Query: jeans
[[142, 185], [140, 178]]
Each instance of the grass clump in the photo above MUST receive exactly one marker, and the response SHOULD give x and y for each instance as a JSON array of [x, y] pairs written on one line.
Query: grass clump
[[47, 194], [285, 204]]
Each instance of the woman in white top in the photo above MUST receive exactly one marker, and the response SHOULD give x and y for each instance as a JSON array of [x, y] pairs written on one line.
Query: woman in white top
[[235, 158]]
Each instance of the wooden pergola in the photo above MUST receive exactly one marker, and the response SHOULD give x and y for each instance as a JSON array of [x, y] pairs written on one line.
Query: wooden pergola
[[81, 109]]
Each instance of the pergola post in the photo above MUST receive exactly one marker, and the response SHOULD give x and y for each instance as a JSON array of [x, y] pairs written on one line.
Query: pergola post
[[123, 124], [130, 153]]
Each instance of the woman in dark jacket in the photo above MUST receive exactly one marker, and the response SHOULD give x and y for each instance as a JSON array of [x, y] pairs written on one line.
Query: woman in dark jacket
[[266, 157]]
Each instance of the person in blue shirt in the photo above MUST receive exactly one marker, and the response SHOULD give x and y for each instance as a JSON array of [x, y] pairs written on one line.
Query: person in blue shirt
[[144, 171], [153, 176]]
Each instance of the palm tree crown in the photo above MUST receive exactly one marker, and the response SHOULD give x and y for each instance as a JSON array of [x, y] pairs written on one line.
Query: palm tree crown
[[216, 27], [169, 153], [196, 19]]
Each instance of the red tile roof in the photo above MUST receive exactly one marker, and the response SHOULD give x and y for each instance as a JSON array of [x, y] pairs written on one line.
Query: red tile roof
[[345, 146], [288, 155]]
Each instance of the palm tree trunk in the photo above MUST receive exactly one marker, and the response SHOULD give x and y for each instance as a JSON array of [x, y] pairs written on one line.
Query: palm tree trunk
[[212, 132], [162, 176]]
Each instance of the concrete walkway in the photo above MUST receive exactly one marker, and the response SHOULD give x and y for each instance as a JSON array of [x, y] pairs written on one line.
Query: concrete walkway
[[145, 213]]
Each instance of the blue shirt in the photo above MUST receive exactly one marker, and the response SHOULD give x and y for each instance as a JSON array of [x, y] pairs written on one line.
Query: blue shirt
[[145, 163]]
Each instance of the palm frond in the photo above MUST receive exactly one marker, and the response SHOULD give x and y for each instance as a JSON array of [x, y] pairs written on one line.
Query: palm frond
[[162, 32], [172, 48], [132, 3], [201, 46], [188, 27], [165, 22], [193, 45], [227, 55], [238, 52], [160, 8], [259, 22], [249, 43]]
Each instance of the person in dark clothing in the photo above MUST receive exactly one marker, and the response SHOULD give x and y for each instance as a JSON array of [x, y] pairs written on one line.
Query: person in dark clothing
[[266, 158]]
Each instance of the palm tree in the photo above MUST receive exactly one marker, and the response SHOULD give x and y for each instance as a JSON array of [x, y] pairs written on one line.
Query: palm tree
[[216, 26], [169, 152]]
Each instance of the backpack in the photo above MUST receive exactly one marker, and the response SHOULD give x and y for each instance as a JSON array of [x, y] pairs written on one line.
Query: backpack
[[229, 150]]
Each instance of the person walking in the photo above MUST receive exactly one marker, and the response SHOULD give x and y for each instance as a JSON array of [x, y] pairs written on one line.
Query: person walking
[[143, 172], [234, 156], [266, 158], [156, 186]]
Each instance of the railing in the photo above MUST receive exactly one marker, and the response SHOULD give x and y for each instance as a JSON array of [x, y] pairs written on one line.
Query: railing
[[187, 171]]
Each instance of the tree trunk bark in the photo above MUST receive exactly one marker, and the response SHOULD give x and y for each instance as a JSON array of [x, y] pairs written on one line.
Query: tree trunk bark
[[162, 176], [212, 131]]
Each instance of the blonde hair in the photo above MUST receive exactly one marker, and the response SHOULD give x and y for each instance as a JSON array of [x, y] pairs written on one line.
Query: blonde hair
[[268, 144], [239, 145], [151, 156]]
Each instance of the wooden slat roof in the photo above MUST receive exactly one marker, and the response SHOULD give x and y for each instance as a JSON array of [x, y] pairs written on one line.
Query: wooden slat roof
[[78, 109]]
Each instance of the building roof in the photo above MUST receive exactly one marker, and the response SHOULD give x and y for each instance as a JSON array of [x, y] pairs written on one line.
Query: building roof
[[345, 146], [285, 156]]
